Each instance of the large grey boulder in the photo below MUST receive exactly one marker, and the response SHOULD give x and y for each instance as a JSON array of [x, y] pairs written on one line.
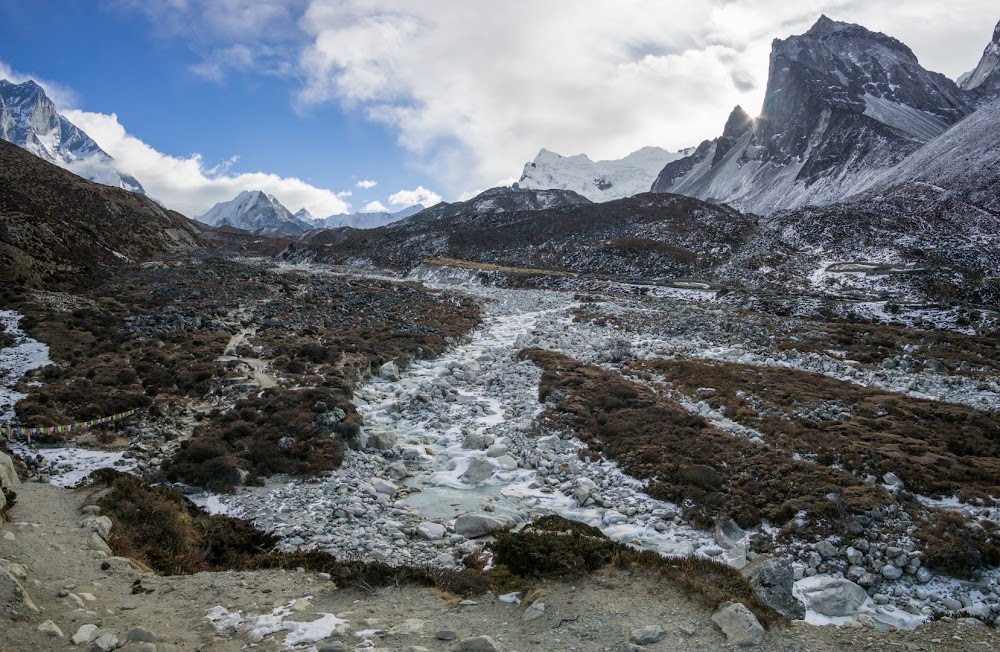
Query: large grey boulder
[[389, 371], [479, 644], [471, 526], [831, 596], [739, 624], [382, 440], [772, 579], [480, 470]]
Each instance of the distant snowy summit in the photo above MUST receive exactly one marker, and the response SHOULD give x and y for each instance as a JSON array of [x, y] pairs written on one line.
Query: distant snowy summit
[[367, 220], [598, 181], [255, 211], [29, 119], [259, 212]]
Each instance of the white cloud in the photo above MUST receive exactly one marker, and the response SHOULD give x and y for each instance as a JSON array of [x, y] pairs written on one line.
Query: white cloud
[[62, 96], [474, 89], [186, 184], [419, 195], [366, 183], [375, 207]]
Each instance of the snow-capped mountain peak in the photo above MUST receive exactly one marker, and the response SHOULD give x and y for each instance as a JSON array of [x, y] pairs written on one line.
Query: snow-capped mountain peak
[[597, 180], [842, 103], [256, 211], [29, 119], [304, 215]]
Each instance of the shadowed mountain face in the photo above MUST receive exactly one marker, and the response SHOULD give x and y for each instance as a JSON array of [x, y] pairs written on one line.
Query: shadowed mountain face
[[984, 81], [29, 119], [58, 230], [842, 103], [645, 236]]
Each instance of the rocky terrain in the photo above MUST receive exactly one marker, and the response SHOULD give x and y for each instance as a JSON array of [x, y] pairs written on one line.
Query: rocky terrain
[[58, 230]]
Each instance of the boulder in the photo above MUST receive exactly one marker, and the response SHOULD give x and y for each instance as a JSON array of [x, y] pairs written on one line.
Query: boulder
[[831, 596], [739, 624], [480, 470], [430, 531], [647, 635], [389, 371], [772, 579], [381, 440], [479, 644], [8, 475], [85, 634], [471, 526]]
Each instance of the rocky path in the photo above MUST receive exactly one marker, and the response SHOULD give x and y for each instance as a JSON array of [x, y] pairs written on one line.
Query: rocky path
[[74, 590]]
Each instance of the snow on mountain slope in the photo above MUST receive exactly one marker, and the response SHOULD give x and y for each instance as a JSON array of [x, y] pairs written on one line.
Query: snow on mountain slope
[[29, 119], [367, 220], [598, 180], [842, 104], [257, 212], [965, 161], [984, 80]]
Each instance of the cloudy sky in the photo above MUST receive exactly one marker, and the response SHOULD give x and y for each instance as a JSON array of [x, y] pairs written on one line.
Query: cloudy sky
[[346, 105]]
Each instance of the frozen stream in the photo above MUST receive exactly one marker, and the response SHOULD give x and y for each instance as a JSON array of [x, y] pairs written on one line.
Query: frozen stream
[[457, 439]]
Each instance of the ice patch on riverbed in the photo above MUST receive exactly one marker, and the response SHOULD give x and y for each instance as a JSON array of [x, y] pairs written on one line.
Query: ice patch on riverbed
[[16, 360], [68, 466]]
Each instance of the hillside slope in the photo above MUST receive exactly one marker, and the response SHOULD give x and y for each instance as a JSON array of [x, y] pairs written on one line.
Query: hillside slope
[[57, 229]]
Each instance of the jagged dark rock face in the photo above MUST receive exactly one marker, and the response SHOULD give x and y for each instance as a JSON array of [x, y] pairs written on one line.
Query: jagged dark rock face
[[703, 156], [842, 103], [739, 123], [984, 82], [30, 120]]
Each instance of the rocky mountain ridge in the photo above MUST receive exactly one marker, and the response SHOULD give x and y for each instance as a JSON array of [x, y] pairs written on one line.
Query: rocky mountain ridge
[[842, 103], [29, 119], [58, 230]]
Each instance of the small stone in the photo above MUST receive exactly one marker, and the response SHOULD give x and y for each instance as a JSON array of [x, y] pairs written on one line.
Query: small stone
[[647, 635], [891, 572], [739, 624], [50, 628], [141, 635], [104, 643], [430, 531], [85, 634], [128, 606], [409, 627], [479, 644], [827, 549], [445, 635], [333, 646], [628, 646], [535, 611]]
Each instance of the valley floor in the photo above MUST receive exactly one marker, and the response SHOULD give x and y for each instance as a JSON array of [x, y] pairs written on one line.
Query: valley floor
[[73, 585], [871, 447]]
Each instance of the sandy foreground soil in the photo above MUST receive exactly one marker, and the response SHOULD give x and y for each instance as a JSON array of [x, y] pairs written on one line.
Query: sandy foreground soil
[[72, 584]]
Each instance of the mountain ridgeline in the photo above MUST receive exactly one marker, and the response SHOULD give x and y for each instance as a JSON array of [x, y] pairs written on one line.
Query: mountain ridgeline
[[30, 120]]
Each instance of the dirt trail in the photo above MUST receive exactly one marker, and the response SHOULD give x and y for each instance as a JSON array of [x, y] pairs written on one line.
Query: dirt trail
[[73, 585]]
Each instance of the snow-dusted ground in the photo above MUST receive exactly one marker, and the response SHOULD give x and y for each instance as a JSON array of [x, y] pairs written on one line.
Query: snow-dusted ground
[[16, 360], [476, 406]]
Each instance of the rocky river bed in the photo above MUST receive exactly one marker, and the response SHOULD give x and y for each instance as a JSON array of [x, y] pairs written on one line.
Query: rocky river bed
[[451, 450]]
